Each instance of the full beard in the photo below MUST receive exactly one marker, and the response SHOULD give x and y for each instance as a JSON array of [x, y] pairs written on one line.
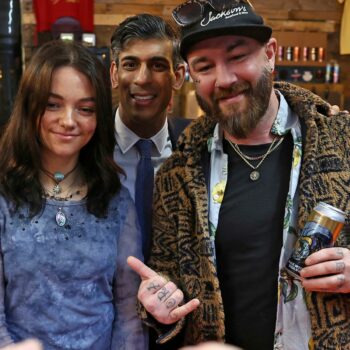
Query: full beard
[[241, 123]]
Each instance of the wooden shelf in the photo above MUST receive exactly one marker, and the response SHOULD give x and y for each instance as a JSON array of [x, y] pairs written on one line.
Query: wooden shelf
[[300, 64]]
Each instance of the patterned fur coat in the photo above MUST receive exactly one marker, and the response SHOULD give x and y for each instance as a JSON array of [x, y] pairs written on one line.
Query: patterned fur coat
[[180, 248]]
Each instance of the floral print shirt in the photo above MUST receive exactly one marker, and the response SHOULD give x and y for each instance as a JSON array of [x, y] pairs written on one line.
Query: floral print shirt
[[293, 328]]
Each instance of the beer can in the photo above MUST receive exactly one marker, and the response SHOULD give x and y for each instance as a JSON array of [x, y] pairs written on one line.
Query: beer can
[[280, 53], [320, 231], [313, 54], [336, 69], [320, 54], [305, 53], [328, 73], [296, 53]]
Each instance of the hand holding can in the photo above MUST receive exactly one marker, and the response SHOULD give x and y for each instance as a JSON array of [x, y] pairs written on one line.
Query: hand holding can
[[320, 231]]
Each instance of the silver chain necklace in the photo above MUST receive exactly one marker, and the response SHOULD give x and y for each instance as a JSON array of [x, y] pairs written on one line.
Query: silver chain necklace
[[255, 174]]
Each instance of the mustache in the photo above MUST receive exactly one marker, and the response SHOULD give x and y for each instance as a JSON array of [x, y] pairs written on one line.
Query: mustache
[[234, 89]]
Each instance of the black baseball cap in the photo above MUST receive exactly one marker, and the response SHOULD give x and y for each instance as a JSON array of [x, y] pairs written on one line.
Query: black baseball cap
[[203, 19]]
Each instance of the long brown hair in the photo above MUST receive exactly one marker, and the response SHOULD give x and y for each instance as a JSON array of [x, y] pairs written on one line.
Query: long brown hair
[[20, 159]]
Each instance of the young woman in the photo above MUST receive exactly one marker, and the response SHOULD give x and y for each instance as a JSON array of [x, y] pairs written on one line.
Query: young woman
[[66, 225]]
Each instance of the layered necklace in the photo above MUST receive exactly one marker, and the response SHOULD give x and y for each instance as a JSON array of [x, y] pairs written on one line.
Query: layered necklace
[[58, 177], [255, 174]]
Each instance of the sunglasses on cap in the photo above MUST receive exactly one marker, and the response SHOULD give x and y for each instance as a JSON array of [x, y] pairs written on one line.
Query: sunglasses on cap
[[192, 11]]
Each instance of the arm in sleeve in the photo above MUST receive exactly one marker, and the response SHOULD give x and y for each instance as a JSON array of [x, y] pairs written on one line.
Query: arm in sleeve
[[128, 330], [164, 255], [5, 338]]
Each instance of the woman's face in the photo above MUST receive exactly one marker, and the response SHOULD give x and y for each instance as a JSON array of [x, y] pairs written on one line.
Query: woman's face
[[69, 120]]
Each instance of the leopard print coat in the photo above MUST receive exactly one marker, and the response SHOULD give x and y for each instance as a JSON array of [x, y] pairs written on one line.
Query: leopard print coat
[[180, 244]]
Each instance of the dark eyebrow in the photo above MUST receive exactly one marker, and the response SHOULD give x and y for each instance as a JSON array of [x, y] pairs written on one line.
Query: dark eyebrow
[[153, 58], [85, 99]]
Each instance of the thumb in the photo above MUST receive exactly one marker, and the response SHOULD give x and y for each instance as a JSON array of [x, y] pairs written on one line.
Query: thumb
[[140, 268]]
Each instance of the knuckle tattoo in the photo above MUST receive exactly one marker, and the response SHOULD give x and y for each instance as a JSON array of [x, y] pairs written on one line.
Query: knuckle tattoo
[[153, 286], [340, 252], [170, 303], [340, 266], [162, 294], [341, 281]]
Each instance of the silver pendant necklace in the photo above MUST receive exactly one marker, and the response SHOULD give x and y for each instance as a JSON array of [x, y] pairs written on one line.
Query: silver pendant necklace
[[255, 174], [58, 177], [61, 218]]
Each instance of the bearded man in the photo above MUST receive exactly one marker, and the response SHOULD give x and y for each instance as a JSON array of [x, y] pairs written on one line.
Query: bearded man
[[230, 202]]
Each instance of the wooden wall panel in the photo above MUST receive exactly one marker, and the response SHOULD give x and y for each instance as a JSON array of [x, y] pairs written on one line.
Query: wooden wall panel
[[282, 15]]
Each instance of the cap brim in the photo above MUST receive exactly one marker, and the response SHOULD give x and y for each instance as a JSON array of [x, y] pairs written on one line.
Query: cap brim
[[261, 33]]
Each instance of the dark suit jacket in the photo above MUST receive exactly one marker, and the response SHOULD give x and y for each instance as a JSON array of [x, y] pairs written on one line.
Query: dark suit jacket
[[176, 125]]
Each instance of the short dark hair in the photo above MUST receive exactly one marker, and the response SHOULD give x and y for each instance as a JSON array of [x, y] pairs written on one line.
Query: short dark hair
[[20, 144], [142, 27]]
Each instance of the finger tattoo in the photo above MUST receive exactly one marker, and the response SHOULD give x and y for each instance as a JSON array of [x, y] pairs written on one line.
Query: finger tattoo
[[170, 303], [162, 294], [341, 280], [153, 286], [340, 266], [340, 252]]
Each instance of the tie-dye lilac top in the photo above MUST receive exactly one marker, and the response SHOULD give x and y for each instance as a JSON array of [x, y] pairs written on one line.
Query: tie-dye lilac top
[[70, 286]]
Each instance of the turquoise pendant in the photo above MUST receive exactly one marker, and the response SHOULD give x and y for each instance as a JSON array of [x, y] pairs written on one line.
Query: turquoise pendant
[[58, 176], [61, 218]]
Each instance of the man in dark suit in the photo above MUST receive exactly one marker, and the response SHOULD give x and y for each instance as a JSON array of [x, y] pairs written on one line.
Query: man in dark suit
[[146, 69]]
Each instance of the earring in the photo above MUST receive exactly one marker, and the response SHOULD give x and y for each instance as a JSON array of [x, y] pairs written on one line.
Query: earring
[[197, 81]]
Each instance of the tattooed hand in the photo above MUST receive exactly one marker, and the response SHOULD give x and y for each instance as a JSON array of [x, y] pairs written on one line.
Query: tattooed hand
[[161, 298], [327, 270]]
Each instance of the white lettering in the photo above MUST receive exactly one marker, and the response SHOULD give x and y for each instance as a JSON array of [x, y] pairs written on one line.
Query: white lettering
[[237, 11]]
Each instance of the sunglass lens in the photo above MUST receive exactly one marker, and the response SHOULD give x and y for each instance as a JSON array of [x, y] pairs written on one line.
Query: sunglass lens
[[188, 13], [220, 5]]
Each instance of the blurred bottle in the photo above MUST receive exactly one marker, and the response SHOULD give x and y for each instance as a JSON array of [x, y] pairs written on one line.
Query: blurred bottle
[[328, 75], [336, 71]]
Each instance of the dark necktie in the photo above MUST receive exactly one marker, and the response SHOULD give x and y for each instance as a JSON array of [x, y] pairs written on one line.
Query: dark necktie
[[144, 192]]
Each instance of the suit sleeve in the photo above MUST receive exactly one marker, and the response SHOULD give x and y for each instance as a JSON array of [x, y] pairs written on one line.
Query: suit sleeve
[[128, 330], [163, 259]]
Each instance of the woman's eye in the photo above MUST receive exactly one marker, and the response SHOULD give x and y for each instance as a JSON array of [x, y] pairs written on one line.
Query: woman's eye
[[87, 110], [52, 106]]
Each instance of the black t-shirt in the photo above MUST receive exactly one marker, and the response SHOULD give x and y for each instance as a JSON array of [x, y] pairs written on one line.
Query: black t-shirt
[[248, 243]]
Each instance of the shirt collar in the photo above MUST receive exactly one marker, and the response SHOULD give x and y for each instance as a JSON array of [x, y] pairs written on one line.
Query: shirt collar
[[284, 122], [285, 119], [126, 138]]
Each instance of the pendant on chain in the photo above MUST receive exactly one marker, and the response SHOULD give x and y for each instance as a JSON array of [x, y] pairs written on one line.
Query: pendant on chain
[[254, 175], [61, 218], [57, 189]]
